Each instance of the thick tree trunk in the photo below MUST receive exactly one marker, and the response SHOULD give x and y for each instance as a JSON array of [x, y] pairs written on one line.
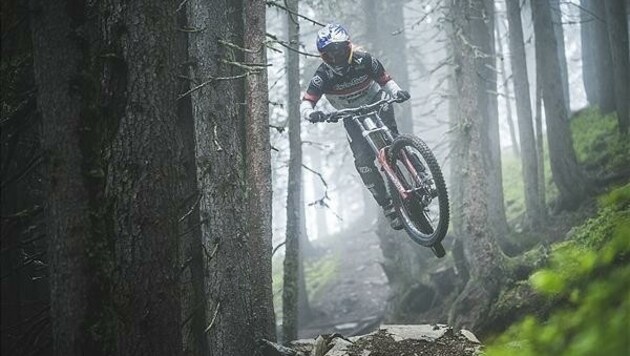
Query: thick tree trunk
[[145, 184], [292, 256], [194, 287], [618, 38], [567, 175], [24, 263], [258, 165], [233, 172], [58, 62], [483, 255], [482, 33], [533, 205]]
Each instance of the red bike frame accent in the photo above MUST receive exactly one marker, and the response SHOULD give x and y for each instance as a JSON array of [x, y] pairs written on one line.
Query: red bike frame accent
[[411, 168], [382, 158]]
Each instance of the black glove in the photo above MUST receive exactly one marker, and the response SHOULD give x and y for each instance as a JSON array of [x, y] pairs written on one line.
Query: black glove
[[402, 95], [317, 116]]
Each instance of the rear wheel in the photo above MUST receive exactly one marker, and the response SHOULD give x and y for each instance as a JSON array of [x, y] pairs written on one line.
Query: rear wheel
[[425, 211]]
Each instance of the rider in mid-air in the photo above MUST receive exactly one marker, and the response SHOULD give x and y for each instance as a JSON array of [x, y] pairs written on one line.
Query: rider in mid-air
[[350, 78]]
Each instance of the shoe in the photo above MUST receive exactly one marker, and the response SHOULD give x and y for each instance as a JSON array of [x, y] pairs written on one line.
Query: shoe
[[394, 220]]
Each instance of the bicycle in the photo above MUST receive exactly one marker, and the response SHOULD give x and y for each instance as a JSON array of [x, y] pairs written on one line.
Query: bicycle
[[414, 178]]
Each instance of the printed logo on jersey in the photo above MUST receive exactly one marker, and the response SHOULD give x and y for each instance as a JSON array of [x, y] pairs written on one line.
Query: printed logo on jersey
[[374, 65], [317, 81], [349, 84]]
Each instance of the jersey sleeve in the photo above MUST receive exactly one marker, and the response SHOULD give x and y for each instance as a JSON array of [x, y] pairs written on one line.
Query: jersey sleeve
[[315, 89], [377, 71]]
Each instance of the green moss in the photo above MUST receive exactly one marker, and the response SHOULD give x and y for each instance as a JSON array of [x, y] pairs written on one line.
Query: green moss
[[597, 143], [590, 274], [318, 273]]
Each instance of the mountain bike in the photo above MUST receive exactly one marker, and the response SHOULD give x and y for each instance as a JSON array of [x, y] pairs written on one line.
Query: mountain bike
[[414, 178]]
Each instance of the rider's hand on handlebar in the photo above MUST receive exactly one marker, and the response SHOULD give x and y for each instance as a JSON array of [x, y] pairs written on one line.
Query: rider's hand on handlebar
[[402, 95], [317, 116]]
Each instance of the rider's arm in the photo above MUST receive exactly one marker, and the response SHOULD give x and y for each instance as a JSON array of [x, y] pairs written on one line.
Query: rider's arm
[[306, 108], [313, 93], [380, 75], [391, 88]]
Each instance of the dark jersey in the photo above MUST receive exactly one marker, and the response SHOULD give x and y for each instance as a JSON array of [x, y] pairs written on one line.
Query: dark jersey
[[359, 84]]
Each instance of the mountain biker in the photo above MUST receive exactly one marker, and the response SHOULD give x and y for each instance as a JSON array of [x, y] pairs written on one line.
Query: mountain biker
[[350, 78]]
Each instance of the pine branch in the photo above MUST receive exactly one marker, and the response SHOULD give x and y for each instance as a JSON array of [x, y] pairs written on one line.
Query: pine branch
[[286, 45], [239, 76], [273, 3]]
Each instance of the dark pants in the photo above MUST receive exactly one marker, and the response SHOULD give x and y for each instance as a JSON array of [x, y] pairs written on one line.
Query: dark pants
[[364, 156]]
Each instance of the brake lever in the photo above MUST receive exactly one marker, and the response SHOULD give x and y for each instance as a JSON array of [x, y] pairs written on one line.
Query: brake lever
[[332, 118]]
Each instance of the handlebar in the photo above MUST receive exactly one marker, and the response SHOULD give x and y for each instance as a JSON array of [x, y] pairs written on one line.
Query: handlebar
[[363, 109]]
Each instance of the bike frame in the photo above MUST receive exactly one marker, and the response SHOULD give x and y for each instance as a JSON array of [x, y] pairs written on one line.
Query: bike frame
[[371, 125]]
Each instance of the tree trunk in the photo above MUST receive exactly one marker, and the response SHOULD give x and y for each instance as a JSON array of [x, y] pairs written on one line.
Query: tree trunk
[[232, 159], [507, 93], [589, 52], [618, 38], [145, 183], [483, 255], [533, 205], [258, 165], [556, 18], [566, 173], [540, 149], [58, 62], [603, 59], [292, 261], [25, 292], [194, 287], [394, 50], [482, 33]]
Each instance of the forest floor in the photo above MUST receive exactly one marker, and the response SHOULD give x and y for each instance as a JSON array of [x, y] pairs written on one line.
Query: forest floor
[[353, 300]]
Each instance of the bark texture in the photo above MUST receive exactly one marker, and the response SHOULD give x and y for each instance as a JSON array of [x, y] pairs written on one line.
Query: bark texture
[[58, 58], [144, 185], [533, 205], [566, 173], [233, 172], [484, 258], [258, 166], [24, 262], [290, 289]]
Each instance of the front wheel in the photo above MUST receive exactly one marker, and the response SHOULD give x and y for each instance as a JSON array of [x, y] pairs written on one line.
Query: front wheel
[[425, 210]]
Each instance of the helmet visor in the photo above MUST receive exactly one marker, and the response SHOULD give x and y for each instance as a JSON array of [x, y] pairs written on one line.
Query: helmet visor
[[336, 53]]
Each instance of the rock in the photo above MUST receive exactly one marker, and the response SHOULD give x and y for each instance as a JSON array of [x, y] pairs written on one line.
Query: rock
[[422, 339], [268, 348], [416, 332]]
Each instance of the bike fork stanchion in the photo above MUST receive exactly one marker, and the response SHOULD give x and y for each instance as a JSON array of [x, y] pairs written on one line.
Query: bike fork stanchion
[[382, 157], [411, 168]]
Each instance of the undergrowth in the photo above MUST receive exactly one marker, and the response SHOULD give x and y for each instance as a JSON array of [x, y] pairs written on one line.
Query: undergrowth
[[318, 272], [597, 142], [589, 276]]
